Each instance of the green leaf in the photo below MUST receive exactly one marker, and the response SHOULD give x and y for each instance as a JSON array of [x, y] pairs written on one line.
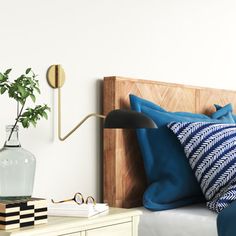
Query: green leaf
[[33, 123], [28, 70], [37, 89], [7, 71], [21, 90], [3, 90], [46, 108], [26, 113], [45, 115], [24, 122], [33, 97], [2, 77]]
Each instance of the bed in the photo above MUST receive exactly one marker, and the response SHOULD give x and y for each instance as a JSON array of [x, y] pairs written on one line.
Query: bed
[[124, 179]]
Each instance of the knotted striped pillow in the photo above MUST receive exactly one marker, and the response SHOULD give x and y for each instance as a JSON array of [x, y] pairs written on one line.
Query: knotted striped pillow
[[211, 151]]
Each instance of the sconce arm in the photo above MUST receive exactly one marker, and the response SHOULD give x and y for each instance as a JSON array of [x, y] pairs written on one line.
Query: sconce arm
[[78, 125], [118, 118]]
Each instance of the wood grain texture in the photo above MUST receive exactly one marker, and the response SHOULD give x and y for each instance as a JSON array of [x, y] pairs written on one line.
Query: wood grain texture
[[123, 172]]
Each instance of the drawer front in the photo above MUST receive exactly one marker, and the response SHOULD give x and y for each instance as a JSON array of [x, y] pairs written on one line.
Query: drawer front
[[124, 229]]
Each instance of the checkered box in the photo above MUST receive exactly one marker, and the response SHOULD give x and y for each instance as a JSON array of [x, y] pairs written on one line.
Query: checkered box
[[22, 213]]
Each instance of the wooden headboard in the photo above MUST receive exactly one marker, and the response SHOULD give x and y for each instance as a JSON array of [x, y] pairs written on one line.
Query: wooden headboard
[[123, 172]]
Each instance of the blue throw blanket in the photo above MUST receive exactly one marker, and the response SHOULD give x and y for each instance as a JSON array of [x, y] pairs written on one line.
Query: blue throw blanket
[[226, 221]]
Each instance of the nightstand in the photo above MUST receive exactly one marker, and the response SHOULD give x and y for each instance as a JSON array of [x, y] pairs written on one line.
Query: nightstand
[[116, 222]]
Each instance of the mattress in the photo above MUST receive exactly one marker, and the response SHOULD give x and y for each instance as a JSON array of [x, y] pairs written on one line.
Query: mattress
[[191, 220]]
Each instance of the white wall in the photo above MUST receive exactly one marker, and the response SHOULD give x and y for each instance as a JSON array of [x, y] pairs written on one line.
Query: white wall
[[184, 41]]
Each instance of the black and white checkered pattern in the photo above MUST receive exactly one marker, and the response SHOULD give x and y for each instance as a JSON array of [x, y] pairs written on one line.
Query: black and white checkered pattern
[[22, 213]]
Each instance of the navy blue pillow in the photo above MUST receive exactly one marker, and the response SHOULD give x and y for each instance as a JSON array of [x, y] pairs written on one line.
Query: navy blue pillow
[[211, 152], [171, 181]]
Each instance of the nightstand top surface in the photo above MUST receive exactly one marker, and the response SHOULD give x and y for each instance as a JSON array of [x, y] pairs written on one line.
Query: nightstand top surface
[[66, 225]]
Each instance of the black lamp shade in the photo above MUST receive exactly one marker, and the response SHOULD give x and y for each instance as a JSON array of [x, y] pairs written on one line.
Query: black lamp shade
[[127, 119]]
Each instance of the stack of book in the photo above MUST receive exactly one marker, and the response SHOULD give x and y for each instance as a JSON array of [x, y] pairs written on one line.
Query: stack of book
[[22, 213], [74, 209]]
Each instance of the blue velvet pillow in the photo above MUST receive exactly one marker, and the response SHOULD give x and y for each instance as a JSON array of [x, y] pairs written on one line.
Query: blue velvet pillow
[[211, 151], [171, 181]]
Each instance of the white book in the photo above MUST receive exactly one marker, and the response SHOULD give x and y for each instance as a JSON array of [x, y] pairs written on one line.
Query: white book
[[73, 209]]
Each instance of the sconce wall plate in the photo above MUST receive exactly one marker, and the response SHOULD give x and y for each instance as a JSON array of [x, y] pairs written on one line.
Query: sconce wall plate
[[56, 76]]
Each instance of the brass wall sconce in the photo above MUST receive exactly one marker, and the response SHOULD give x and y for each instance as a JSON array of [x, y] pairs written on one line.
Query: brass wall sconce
[[114, 119]]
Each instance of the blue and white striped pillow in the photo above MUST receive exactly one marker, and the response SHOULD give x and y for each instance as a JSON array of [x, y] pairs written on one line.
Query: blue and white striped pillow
[[211, 151]]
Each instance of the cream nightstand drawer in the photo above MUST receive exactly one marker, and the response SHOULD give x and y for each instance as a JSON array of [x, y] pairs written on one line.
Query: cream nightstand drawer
[[124, 229]]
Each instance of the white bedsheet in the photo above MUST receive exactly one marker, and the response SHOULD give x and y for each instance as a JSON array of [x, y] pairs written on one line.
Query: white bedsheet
[[194, 220]]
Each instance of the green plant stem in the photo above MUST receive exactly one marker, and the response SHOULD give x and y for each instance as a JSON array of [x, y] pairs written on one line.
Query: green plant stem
[[17, 119], [17, 109]]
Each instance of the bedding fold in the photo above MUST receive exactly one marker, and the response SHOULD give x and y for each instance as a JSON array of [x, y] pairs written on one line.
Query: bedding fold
[[226, 223]]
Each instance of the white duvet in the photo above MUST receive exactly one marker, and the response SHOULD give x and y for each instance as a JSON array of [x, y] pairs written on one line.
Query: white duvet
[[194, 220]]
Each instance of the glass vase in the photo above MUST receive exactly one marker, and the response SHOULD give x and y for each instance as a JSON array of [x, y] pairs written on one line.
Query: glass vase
[[17, 168]]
